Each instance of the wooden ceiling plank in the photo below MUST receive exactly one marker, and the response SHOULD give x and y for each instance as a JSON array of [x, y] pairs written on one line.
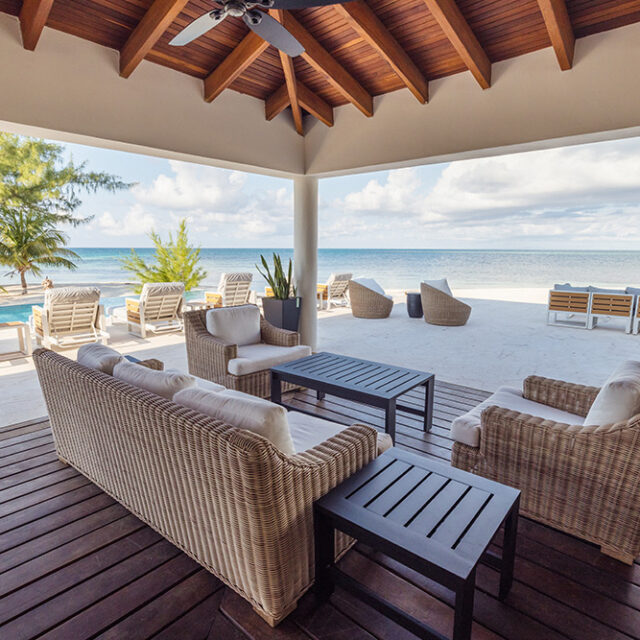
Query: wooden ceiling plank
[[290, 81], [250, 48], [155, 22], [33, 17], [558, 23], [324, 63], [278, 101], [364, 20], [457, 29]]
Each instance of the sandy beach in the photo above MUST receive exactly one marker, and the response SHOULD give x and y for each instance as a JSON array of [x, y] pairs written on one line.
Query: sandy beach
[[505, 340]]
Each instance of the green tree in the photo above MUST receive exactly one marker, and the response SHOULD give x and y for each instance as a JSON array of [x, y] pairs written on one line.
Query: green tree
[[28, 241], [39, 192], [174, 261]]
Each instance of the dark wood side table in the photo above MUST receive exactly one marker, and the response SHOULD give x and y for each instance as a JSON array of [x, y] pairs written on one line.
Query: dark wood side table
[[372, 383], [436, 519]]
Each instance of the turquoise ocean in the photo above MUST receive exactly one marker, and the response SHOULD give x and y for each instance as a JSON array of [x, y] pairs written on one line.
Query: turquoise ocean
[[393, 268]]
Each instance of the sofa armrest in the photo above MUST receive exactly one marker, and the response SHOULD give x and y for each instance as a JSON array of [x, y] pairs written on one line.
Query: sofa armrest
[[566, 396], [209, 356], [280, 337]]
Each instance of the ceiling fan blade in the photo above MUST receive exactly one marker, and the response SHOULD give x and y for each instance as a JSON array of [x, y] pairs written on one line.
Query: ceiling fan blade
[[304, 4], [273, 32], [198, 27]]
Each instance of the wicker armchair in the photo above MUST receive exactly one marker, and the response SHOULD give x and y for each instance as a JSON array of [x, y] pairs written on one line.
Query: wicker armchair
[[584, 480], [367, 303], [440, 308], [209, 356]]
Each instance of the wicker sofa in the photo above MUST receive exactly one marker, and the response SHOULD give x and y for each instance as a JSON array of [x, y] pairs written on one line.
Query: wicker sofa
[[211, 357], [226, 496], [584, 480]]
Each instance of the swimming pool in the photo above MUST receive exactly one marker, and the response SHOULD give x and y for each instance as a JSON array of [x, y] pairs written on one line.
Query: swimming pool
[[21, 312]]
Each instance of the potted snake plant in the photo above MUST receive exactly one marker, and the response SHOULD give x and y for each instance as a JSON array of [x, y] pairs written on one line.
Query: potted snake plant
[[282, 307]]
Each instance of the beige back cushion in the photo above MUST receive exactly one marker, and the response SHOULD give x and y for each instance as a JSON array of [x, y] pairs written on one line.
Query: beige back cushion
[[162, 383], [154, 289], [440, 285], [235, 325], [244, 411], [619, 398], [98, 356]]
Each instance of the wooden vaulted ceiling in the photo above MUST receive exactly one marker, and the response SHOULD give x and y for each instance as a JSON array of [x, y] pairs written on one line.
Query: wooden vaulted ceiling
[[353, 51]]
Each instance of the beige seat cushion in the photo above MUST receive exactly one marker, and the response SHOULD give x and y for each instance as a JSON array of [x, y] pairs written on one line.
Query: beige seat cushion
[[372, 284], [162, 383], [98, 356], [467, 428], [309, 431], [244, 411], [235, 325], [258, 357], [619, 397]]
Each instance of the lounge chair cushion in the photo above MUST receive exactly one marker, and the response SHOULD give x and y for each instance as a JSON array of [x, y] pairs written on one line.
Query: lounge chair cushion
[[370, 283], [98, 356], [235, 325], [441, 285], [244, 411], [68, 295], [619, 397], [621, 292], [153, 289], [258, 357], [162, 383], [467, 428], [568, 287], [227, 278], [310, 431]]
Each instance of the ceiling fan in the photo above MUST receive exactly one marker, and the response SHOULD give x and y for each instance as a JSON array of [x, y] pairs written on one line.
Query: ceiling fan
[[261, 23]]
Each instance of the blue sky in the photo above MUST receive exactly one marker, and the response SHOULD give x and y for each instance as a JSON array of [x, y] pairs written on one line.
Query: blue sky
[[582, 197]]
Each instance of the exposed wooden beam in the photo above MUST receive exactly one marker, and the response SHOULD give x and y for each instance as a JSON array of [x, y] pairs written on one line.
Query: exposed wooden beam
[[149, 30], [290, 81], [324, 63], [33, 17], [278, 101], [234, 65], [563, 40], [459, 32], [363, 19]]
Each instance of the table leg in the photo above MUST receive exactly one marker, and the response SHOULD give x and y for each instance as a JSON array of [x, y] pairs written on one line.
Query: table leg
[[324, 541], [320, 395], [428, 404], [276, 389], [21, 334], [464, 609], [390, 420], [509, 551]]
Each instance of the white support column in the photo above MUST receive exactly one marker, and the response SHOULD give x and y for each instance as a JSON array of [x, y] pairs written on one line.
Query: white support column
[[305, 253]]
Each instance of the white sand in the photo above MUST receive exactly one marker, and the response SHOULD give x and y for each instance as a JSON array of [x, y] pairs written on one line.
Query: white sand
[[505, 340]]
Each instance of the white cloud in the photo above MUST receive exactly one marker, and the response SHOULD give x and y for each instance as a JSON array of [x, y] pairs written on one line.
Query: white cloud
[[591, 192], [135, 222]]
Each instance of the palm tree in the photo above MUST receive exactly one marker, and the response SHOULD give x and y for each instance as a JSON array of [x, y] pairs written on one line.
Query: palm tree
[[29, 241]]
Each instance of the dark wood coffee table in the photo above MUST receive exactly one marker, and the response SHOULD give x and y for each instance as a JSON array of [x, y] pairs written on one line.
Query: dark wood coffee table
[[431, 517], [371, 383]]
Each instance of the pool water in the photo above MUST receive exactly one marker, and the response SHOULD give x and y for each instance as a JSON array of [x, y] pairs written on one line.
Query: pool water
[[21, 312]]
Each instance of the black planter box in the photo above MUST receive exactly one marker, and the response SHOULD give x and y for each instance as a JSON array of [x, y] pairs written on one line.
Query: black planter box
[[284, 314]]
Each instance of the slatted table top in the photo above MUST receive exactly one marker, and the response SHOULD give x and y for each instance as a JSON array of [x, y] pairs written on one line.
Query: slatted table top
[[438, 515], [363, 376]]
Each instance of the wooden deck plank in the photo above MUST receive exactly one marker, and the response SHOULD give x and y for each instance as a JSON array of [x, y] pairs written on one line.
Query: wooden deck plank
[[78, 565]]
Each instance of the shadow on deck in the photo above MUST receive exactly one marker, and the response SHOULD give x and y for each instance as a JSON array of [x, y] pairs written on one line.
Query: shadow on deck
[[75, 564]]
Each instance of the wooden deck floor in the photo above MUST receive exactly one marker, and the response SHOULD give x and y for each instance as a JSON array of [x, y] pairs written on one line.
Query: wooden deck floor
[[74, 564]]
